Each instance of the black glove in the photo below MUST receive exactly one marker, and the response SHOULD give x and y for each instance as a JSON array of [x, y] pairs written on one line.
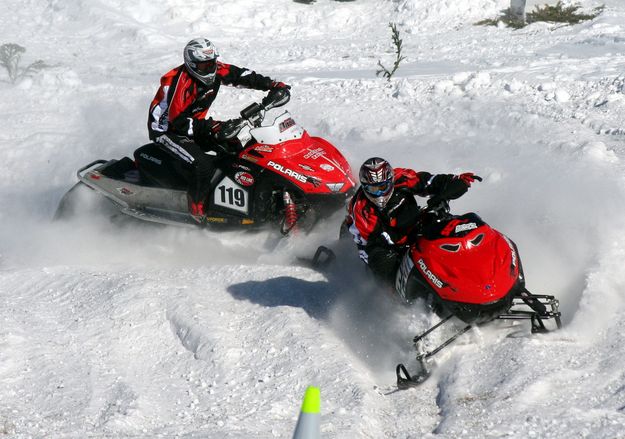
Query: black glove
[[277, 97], [203, 131], [227, 130], [456, 186], [435, 202]]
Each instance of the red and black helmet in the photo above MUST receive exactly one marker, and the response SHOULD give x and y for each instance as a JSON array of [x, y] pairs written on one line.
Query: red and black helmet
[[377, 180]]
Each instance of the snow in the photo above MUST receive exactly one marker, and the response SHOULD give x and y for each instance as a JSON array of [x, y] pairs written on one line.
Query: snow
[[110, 331]]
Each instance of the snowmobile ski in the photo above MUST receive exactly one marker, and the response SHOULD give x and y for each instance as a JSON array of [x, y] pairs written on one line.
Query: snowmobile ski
[[542, 307]]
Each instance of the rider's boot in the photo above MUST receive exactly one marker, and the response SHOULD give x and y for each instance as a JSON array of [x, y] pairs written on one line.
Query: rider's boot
[[196, 209]]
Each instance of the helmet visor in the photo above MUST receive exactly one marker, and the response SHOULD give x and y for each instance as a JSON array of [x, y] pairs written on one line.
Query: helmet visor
[[206, 67], [378, 189]]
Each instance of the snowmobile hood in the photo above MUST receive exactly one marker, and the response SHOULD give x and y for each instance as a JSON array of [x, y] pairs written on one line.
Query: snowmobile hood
[[479, 268], [311, 163]]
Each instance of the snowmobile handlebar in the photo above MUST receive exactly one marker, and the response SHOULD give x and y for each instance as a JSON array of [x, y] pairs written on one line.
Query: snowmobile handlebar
[[436, 205], [255, 113]]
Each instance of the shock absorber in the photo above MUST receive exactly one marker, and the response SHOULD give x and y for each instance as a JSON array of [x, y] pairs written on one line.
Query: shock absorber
[[290, 213]]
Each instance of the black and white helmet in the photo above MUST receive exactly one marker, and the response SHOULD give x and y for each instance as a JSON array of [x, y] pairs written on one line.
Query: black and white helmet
[[377, 180], [200, 59]]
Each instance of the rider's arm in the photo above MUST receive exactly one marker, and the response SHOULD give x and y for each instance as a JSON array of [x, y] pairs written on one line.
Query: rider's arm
[[360, 219], [241, 77], [366, 226], [446, 186]]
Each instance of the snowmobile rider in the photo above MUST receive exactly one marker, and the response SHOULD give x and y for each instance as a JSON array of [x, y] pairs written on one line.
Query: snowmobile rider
[[177, 119], [383, 214]]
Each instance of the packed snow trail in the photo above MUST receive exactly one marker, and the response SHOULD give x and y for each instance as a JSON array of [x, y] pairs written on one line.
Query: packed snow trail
[[147, 332]]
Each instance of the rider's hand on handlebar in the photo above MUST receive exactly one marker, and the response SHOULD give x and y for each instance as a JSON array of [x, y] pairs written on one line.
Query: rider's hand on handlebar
[[276, 85], [435, 202], [277, 97], [227, 130]]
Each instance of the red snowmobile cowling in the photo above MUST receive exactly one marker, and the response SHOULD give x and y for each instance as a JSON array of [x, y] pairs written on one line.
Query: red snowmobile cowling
[[312, 164], [463, 265], [479, 266]]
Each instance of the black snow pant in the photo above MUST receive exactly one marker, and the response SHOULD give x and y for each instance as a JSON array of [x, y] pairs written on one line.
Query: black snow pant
[[384, 262], [190, 152]]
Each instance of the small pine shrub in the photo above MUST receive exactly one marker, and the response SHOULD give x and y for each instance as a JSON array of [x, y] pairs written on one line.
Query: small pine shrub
[[397, 42], [561, 14], [10, 56], [558, 13]]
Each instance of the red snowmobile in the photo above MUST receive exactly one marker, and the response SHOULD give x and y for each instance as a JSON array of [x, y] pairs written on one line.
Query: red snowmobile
[[467, 270], [281, 176]]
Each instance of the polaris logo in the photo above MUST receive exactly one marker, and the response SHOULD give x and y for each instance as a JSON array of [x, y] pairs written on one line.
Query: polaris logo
[[287, 171], [465, 227], [150, 158], [426, 271]]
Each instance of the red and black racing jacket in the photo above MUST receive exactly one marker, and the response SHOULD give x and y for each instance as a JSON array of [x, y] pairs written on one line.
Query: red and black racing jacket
[[398, 219], [181, 103]]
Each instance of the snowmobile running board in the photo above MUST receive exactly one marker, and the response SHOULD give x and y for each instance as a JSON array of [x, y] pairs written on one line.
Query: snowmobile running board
[[539, 312]]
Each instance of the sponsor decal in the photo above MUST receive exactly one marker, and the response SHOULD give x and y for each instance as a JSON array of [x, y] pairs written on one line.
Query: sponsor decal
[[314, 181], [512, 252], [240, 166], [450, 226], [150, 158], [327, 168], [286, 124], [314, 154], [244, 178], [291, 173], [249, 158], [335, 187], [125, 191], [263, 148], [216, 219], [465, 227], [427, 273], [94, 176], [306, 168]]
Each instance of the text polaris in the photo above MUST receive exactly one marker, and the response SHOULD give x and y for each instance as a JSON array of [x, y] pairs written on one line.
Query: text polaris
[[289, 172]]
